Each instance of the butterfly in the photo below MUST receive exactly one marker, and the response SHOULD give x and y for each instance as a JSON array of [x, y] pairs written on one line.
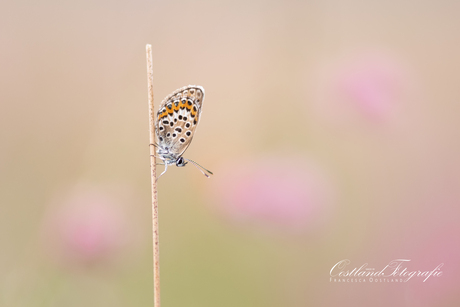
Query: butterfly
[[175, 126]]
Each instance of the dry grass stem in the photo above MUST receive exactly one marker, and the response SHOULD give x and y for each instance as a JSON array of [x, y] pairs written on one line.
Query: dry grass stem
[[153, 168]]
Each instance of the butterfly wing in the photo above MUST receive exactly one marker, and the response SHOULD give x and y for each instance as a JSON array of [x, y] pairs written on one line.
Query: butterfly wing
[[178, 117]]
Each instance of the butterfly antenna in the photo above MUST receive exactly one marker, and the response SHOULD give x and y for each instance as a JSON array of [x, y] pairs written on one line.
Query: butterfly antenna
[[201, 168]]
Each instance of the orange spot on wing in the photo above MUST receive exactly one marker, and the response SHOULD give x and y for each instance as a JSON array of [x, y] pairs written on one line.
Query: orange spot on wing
[[165, 113]]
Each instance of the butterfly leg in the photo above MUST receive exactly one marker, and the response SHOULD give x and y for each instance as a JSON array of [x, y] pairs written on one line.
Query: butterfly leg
[[166, 168], [157, 158]]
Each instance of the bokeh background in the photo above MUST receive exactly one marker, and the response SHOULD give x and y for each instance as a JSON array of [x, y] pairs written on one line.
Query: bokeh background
[[331, 126]]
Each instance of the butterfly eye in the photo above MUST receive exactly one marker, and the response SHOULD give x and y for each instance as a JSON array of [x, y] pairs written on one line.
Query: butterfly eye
[[180, 162]]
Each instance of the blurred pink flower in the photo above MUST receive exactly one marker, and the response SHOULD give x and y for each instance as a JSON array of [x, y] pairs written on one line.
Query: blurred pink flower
[[439, 246], [371, 84], [86, 226], [271, 192]]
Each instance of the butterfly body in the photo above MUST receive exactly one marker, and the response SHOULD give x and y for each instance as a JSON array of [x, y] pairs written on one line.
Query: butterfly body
[[176, 122]]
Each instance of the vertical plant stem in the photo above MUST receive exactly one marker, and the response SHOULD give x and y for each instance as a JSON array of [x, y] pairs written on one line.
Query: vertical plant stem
[[153, 169]]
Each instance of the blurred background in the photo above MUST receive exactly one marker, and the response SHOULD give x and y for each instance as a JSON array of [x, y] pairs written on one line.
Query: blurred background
[[331, 126]]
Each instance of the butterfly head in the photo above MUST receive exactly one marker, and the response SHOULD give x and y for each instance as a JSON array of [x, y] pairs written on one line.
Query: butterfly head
[[180, 162]]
